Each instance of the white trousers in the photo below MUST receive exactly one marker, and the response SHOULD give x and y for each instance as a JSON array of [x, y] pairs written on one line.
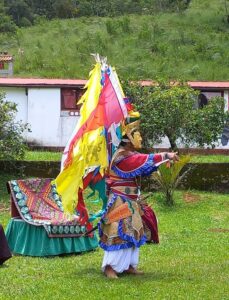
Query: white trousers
[[122, 259]]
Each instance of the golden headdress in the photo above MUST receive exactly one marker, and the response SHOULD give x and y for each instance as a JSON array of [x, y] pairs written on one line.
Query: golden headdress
[[132, 122]]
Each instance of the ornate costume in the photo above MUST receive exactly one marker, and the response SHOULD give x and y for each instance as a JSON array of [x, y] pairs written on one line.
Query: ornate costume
[[121, 225]]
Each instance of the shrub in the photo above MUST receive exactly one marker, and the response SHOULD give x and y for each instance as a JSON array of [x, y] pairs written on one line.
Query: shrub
[[169, 110], [168, 177], [12, 145]]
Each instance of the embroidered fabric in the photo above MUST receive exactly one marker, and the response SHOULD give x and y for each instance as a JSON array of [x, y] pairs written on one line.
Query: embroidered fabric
[[126, 236], [144, 170], [128, 231]]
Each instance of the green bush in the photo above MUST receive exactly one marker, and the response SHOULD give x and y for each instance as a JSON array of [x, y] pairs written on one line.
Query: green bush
[[11, 140], [170, 110], [6, 24]]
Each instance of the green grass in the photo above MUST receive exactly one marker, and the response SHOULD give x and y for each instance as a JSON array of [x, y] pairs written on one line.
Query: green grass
[[210, 158], [189, 263], [56, 156], [191, 45], [42, 156]]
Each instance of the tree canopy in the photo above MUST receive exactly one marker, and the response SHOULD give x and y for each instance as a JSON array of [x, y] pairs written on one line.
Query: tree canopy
[[172, 111], [27, 12]]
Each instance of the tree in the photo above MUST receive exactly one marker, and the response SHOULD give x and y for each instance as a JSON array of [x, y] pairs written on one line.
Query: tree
[[226, 3], [6, 23], [42, 8], [20, 12], [11, 141], [178, 5], [172, 111], [64, 9]]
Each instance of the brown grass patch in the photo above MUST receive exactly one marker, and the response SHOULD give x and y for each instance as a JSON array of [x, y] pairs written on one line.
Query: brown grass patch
[[190, 198], [218, 230]]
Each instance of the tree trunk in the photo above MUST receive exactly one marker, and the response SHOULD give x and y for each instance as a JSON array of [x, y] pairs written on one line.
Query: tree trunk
[[172, 143]]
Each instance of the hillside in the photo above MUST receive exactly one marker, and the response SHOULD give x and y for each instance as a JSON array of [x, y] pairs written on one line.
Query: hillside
[[192, 45]]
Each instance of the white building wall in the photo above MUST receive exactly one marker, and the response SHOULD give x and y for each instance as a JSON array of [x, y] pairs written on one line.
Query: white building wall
[[18, 95], [50, 127], [226, 98], [40, 108], [44, 116], [67, 125]]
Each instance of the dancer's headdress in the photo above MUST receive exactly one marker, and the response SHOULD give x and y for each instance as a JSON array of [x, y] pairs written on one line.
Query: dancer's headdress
[[132, 122]]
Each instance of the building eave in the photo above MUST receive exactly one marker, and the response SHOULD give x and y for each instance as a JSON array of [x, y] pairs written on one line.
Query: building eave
[[71, 83], [41, 82]]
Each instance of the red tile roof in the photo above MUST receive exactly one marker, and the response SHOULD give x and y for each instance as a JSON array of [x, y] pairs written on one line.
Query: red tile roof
[[5, 58], [209, 84], [42, 82], [45, 82], [198, 84]]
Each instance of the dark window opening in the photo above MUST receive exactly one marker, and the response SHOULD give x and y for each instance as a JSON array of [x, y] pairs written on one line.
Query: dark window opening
[[202, 100], [69, 99], [205, 97], [2, 66]]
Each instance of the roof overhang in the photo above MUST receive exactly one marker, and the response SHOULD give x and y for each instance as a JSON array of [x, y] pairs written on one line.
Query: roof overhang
[[200, 85], [41, 82], [71, 83], [209, 85]]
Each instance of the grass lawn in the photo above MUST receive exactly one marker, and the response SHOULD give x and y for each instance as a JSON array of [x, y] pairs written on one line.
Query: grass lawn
[[43, 156], [56, 156], [210, 158], [191, 261]]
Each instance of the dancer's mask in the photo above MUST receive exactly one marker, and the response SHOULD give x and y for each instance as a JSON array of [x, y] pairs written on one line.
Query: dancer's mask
[[132, 127]]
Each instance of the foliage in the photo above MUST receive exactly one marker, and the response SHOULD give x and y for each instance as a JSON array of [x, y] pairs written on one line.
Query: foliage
[[205, 126], [169, 176], [11, 140], [191, 46], [226, 7], [6, 22], [178, 5], [25, 12], [171, 110], [20, 12]]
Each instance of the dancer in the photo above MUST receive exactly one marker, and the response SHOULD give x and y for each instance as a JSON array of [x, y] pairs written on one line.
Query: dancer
[[121, 228], [104, 141]]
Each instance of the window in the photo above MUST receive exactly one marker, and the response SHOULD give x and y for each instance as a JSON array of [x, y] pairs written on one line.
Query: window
[[202, 100], [205, 97], [69, 99], [2, 66]]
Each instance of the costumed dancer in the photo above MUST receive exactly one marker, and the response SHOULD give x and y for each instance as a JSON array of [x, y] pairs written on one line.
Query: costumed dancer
[[4, 248], [121, 229], [92, 150]]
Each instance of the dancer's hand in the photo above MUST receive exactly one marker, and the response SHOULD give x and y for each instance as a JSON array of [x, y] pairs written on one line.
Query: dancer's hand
[[172, 156]]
